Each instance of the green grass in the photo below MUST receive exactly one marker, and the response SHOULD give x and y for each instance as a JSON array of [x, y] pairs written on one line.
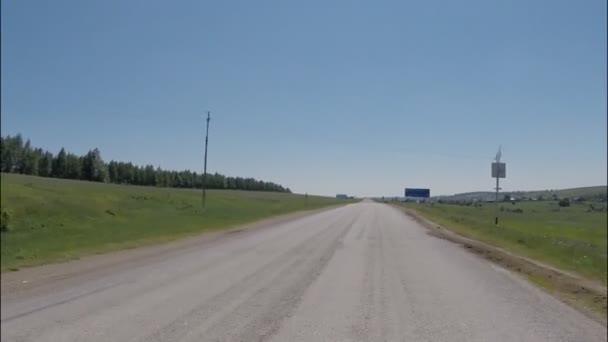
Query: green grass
[[54, 219], [569, 238]]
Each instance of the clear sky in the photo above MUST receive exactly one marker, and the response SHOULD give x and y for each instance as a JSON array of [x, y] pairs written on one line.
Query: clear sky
[[356, 97]]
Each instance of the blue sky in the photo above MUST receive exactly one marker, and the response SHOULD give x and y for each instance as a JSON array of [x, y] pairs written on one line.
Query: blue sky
[[325, 97]]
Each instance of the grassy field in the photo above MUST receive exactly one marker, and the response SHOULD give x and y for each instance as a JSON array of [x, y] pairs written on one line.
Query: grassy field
[[53, 219], [571, 238], [590, 191]]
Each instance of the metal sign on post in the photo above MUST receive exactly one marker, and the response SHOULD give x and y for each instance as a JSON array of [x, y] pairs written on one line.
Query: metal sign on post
[[499, 170], [413, 192]]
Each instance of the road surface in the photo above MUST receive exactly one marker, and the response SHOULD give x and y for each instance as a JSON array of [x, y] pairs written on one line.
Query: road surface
[[362, 272]]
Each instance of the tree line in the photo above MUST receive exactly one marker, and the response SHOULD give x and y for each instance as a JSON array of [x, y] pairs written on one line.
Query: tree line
[[17, 156]]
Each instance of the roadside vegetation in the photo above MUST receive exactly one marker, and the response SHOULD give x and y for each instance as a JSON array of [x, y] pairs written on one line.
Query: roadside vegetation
[[570, 235], [17, 156], [47, 219]]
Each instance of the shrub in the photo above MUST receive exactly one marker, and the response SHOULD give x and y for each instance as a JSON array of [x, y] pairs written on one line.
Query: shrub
[[5, 217], [593, 208], [564, 202]]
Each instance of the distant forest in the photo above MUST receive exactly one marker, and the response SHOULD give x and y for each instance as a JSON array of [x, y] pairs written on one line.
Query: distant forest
[[18, 156]]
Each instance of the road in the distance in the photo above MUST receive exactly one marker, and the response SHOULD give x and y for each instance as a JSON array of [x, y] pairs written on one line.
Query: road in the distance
[[363, 272]]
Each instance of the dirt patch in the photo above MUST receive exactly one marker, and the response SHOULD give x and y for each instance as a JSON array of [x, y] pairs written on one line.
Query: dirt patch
[[585, 295]]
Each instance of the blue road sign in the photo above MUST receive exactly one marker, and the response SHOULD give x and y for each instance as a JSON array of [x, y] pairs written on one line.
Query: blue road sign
[[411, 192]]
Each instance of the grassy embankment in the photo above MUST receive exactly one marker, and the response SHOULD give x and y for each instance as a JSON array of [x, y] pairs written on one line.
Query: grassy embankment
[[567, 238], [571, 238], [54, 219]]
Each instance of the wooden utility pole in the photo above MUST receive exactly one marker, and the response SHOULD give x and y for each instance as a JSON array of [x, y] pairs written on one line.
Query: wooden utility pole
[[205, 167]]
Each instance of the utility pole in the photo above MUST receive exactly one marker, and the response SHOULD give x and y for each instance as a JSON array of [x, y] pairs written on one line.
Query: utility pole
[[205, 167]]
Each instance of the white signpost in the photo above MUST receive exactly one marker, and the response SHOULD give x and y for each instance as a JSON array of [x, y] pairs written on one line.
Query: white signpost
[[499, 170]]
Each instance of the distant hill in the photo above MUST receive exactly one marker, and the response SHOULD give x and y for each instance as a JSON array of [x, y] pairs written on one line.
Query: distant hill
[[587, 193]]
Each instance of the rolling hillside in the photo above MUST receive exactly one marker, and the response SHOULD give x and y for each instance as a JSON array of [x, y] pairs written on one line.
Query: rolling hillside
[[52, 219], [588, 193]]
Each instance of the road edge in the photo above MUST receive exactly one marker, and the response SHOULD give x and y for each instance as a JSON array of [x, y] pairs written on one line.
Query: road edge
[[586, 296], [34, 277]]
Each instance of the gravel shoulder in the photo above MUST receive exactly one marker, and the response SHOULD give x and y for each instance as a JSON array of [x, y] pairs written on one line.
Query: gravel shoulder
[[58, 275], [587, 296]]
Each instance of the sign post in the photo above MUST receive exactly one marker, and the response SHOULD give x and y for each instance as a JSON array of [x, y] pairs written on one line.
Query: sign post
[[499, 170]]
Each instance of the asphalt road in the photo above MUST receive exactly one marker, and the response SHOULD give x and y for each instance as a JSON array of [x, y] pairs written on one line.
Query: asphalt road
[[363, 272]]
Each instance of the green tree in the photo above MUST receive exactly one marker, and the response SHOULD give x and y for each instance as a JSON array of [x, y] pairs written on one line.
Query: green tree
[[29, 160], [131, 174], [3, 150], [113, 172], [73, 166], [149, 175], [12, 148], [93, 167], [45, 165], [23, 158], [60, 164], [159, 177]]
